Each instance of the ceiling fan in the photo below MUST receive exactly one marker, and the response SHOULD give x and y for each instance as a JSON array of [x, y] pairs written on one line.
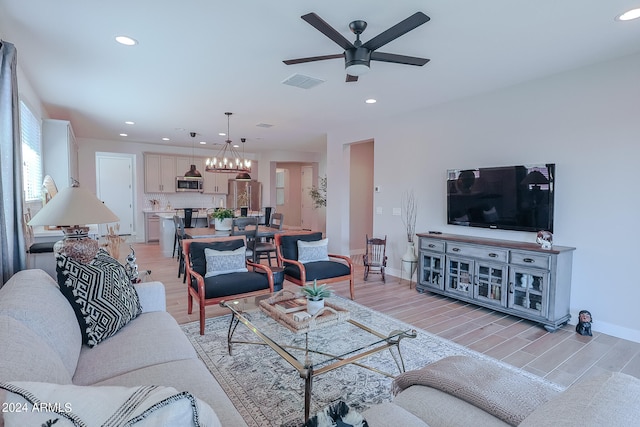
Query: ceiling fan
[[357, 55]]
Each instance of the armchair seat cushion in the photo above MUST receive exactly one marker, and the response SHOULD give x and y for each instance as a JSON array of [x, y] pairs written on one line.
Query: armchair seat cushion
[[319, 270], [233, 284]]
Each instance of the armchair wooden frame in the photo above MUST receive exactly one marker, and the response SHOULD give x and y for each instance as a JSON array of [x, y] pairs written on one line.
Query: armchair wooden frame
[[199, 292], [303, 279]]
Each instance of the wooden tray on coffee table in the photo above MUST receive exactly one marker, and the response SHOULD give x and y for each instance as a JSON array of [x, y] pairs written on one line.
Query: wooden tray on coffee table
[[329, 315]]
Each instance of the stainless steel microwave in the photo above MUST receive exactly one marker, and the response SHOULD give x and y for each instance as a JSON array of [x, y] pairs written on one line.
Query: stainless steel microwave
[[189, 183]]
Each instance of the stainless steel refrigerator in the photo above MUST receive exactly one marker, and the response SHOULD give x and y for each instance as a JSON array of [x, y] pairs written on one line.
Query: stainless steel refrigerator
[[245, 194]]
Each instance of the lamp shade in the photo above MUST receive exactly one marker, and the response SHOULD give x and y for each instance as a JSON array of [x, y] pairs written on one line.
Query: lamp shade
[[73, 206]]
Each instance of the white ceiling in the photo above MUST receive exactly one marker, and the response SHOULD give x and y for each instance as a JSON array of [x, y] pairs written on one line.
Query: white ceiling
[[197, 59]]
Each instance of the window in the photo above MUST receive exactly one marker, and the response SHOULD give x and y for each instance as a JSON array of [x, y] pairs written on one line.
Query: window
[[280, 187], [31, 138]]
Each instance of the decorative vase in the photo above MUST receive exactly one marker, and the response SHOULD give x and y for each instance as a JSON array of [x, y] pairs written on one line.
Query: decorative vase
[[223, 224], [410, 260], [314, 306]]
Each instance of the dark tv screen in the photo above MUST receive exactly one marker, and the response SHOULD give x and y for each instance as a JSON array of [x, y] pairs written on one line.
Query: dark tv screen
[[507, 197]]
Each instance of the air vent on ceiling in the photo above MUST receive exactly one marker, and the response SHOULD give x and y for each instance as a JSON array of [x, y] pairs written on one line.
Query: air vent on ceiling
[[264, 125], [302, 81]]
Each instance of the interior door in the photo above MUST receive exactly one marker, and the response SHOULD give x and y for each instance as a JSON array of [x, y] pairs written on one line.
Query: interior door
[[114, 186]]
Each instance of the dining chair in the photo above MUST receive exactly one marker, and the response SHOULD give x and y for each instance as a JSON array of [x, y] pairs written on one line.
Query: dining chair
[[267, 247], [248, 227], [180, 235]]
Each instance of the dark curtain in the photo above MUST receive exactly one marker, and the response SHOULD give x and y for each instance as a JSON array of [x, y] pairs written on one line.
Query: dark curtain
[[12, 243]]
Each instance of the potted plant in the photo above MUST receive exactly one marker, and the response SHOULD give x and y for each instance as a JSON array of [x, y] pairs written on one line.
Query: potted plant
[[315, 295], [409, 213], [222, 219]]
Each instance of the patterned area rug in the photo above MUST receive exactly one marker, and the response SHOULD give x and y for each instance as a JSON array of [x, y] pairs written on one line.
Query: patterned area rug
[[267, 391]]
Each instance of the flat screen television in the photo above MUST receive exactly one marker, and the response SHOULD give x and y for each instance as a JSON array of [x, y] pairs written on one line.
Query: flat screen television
[[508, 197]]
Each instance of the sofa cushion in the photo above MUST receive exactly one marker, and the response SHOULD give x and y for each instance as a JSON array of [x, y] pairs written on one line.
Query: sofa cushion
[[234, 284], [224, 262], [149, 339], [27, 356], [609, 399], [197, 256], [32, 298], [497, 389], [192, 375], [318, 270], [100, 293], [443, 409], [71, 405], [387, 414]]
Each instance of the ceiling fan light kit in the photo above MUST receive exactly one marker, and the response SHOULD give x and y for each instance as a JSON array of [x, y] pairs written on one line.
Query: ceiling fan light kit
[[358, 56]]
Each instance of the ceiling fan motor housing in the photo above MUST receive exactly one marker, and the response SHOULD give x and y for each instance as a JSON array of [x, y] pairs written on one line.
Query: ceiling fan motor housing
[[357, 60]]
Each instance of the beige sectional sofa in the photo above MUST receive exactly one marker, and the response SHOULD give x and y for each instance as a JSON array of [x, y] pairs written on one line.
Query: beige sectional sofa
[[463, 391], [40, 341]]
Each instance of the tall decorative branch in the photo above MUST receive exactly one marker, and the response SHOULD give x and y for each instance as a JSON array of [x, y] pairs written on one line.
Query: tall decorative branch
[[319, 194], [409, 213]]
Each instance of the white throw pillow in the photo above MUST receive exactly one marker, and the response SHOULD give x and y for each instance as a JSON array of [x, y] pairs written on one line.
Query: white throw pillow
[[36, 404], [313, 251], [224, 262]]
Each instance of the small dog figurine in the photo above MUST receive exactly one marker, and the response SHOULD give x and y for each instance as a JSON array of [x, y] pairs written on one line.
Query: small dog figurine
[[584, 323]]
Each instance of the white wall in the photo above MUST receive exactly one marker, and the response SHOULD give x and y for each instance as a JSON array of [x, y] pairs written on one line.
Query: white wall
[[584, 121]]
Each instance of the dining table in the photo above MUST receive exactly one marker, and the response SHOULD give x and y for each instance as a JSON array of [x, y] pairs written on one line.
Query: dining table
[[264, 232]]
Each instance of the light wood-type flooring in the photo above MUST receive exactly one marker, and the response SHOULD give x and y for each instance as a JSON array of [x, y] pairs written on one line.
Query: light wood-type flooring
[[562, 357]]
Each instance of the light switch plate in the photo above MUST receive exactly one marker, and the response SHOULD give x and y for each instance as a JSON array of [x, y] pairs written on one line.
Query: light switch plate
[[379, 210], [396, 212]]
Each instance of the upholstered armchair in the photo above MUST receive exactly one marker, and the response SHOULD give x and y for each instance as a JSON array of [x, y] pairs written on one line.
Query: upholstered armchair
[[305, 258], [217, 270]]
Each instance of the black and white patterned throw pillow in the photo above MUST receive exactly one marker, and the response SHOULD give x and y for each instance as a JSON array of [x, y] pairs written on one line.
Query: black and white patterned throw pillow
[[100, 293]]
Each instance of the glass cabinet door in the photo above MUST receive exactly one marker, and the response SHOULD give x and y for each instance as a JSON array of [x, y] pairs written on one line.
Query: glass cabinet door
[[490, 281], [459, 276], [431, 270], [528, 288]]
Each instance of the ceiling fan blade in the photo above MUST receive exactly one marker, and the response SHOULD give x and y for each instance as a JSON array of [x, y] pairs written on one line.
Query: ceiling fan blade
[[351, 78], [398, 59], [397, 30], [313, 58], [326, 29]]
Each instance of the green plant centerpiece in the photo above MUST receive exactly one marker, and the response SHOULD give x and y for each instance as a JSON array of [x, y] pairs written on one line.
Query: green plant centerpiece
[[315, 295], [221, 213], [223, 219]]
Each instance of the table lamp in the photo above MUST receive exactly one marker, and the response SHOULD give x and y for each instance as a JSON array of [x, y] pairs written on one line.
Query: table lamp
[[72, 209]]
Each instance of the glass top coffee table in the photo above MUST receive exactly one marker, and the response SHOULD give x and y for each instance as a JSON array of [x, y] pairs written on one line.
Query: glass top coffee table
[[322, 343]]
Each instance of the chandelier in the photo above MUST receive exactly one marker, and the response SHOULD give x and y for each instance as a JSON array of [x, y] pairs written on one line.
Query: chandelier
[[228, 159]]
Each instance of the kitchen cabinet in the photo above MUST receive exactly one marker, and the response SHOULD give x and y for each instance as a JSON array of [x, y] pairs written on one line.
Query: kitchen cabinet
[[516, 278], [216, 182], [151, 227], [159, 173], [60, 152]]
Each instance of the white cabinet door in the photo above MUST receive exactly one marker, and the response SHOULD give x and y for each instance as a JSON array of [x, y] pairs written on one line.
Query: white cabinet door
[[159, 173]]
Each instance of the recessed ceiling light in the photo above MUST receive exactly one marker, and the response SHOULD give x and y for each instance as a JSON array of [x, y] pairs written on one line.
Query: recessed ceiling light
[[127, 41], [370, 101], [236, 146], [166, 139], [629, 15], [124, 134], [203, 142], [222, 134], [129, 123]]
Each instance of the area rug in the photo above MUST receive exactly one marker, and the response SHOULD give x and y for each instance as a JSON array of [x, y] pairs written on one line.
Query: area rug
[[267, 391]]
